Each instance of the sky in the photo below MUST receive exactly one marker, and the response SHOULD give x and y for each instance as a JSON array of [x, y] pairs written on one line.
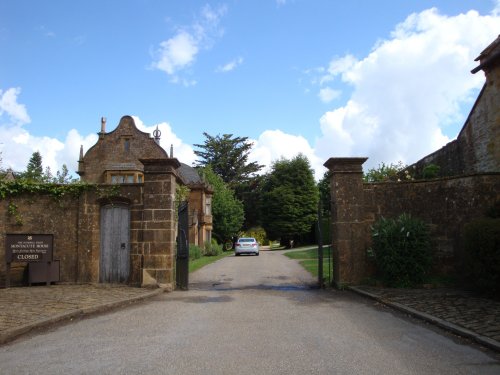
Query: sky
[[388, 79]]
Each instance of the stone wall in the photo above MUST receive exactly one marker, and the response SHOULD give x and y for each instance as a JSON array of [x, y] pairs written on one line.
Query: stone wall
[[445, 204], [42, 215], [75, 225]]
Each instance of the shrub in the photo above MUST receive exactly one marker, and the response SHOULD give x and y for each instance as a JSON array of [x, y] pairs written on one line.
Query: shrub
[[494, 211], [387, 172], [402, 250], [482, 254], [212, 249], [258, 233], [430, 171], [194, 252]]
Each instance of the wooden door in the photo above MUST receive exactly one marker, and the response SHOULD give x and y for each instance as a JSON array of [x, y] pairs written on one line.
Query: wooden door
[[115, 244]]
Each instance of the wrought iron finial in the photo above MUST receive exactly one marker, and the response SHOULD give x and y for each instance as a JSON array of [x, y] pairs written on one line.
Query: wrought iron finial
[[157, 134]]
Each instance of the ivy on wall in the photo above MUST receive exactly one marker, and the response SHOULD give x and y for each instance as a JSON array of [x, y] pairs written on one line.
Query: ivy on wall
[[57, 191], [12, 189]]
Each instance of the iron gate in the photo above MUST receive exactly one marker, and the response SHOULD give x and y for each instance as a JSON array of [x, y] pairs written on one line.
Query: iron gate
[[323, 234], [182, 258]]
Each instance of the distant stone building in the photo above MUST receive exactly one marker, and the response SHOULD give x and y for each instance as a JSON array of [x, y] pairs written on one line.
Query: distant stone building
[[116, 159], [200, 206], [123, 228]]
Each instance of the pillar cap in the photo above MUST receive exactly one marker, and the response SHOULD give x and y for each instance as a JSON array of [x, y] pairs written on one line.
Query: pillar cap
[[353, 164]]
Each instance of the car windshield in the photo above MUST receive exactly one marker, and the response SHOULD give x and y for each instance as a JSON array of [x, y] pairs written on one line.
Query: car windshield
[[246, 240]]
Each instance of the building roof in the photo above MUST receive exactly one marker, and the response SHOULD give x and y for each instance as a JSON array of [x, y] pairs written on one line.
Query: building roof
[[489, 56], [189, 175]]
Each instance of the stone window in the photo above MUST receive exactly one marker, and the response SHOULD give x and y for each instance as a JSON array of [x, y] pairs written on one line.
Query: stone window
[[208, 206], [126, 178], [126, 144]]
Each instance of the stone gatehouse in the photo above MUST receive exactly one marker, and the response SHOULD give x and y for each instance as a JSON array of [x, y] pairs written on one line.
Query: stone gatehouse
[[123, 229]]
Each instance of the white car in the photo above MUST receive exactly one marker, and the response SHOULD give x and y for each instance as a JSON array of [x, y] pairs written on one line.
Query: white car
[[246, 245]]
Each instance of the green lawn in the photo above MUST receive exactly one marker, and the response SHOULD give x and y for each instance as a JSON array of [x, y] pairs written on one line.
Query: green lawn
[[196, 264], [308, 258]]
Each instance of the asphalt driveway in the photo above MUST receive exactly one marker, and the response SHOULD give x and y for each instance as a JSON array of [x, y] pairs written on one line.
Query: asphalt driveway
[[248, 315]]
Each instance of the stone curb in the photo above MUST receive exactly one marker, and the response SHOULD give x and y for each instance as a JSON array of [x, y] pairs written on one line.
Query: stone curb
[[483, 340], [14, 333]]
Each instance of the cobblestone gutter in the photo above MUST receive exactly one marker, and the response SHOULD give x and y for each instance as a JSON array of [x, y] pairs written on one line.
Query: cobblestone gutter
[[454, 310]]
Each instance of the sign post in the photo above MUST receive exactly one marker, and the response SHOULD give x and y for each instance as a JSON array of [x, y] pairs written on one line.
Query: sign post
[[28, 248]]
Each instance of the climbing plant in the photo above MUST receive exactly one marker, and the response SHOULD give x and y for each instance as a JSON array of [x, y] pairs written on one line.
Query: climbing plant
[[9, 189]]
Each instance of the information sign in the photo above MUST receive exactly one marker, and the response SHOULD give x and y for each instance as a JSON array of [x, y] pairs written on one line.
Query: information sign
[[28, 248]]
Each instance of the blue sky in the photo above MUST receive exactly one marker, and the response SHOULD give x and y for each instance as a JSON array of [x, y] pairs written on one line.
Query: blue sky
[[386, 79]]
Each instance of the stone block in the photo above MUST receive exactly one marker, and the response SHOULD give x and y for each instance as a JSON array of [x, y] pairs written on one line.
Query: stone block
[[155, 261], [149, 278]]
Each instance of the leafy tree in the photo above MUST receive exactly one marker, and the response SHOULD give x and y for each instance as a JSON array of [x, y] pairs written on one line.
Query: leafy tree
[[325, 193], [34, 170], [63, 176], [384, 172], [250, 193], [228, 157], [289, 199], [47, 175], [227, 211]]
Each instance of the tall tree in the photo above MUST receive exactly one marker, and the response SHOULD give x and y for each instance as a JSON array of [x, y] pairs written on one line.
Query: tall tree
[[324, 193], [228, 157], [289, 199], [250, 193], [63, 176], [34, 169], [227, 211]]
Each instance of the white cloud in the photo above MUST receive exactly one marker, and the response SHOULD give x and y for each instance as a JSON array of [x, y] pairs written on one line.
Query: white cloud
[[408, 89], [8, 105], [230, 65], [17, 144], [182, 151], [328, 94], [273, 145], [177, 53], [336, 67], [496, 9]]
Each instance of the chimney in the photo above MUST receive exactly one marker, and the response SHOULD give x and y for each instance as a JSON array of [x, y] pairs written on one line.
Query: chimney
[[171, 151], [103, 125], [81, 163]]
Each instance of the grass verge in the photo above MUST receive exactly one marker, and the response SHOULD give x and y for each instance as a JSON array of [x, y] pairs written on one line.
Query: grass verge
[[196, 264], [309, 260]]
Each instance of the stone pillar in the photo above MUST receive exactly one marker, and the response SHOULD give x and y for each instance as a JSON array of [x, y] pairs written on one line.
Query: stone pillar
[[348, 224], [158, 239]]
